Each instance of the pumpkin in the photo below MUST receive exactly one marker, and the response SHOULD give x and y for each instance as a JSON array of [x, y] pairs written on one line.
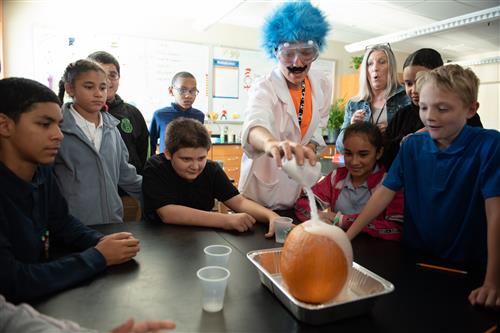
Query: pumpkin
[[316, 262]]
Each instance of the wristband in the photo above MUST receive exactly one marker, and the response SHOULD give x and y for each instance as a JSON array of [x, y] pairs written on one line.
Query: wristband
[[337, 219]]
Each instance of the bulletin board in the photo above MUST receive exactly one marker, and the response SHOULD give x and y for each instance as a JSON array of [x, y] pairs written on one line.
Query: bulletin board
[[147, 65], [252, 66]]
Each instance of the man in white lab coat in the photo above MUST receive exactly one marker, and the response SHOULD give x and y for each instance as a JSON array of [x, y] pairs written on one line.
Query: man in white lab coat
[[288, 108]]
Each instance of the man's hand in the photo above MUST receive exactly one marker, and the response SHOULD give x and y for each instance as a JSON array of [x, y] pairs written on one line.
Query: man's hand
[[278, 149], [118, 248]]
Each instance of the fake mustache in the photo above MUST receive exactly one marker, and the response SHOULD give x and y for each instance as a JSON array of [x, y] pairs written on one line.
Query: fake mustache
[[296, 70]]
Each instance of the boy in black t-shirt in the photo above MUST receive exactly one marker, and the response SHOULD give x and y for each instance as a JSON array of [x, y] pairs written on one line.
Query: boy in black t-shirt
[[180, 185]]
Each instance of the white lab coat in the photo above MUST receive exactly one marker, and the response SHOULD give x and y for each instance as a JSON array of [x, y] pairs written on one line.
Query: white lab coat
[[270, 106]]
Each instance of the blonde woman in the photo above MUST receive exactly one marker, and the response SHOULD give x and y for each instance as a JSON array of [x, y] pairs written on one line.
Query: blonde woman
[[380, 95]]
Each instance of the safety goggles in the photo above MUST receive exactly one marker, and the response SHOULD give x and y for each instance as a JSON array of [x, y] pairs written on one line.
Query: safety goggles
[[288, 53], [184, 91]]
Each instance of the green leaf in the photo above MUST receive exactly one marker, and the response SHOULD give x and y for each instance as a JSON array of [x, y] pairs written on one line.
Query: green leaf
[[336, 116]]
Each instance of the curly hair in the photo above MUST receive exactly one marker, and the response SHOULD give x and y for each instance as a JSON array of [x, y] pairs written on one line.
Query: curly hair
[[294, 21]]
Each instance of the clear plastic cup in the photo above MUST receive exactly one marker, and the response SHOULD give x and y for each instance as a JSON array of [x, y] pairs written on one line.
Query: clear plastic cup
[[213, 284], [282, 226], [217, 255]]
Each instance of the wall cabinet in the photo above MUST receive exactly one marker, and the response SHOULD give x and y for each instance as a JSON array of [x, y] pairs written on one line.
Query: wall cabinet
[[349, 85], [328, 152], [230, 156]]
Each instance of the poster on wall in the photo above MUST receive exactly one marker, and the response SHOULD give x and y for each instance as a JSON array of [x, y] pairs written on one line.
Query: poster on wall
[[252, 66], [226, 78]]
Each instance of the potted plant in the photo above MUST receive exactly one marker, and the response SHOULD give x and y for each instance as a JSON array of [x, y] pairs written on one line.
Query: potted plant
[[356, 62], [335, 120]]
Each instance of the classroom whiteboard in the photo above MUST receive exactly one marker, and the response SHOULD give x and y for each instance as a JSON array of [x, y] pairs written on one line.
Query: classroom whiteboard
[[252, 66], [147, 65], [224, 75]]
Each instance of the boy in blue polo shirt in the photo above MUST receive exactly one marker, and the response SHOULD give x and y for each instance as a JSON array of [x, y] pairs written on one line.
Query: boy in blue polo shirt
[[451, 180]]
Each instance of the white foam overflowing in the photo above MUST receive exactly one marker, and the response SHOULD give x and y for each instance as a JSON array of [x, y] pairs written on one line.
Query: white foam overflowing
[[335, 233], [312, 205]]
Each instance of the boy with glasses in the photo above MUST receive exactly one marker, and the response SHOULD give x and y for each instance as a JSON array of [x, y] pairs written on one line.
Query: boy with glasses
[[132, 127], [183, 89], [288, 108]]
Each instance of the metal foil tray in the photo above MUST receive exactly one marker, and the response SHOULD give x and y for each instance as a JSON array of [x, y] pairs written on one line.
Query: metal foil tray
[[364, 287]]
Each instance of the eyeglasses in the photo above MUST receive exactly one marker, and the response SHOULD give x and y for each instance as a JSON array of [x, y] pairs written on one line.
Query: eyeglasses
[[113, 76], [306, 52], [184, 91]]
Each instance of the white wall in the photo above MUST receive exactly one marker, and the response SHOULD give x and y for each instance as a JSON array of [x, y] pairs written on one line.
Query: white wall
[[489, 94], [20, 17]]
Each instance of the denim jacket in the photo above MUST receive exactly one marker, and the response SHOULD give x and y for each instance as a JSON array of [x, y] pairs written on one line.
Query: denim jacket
[[396, 101]]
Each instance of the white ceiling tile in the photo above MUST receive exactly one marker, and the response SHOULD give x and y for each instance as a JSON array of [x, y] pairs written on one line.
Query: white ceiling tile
[[357, 20]]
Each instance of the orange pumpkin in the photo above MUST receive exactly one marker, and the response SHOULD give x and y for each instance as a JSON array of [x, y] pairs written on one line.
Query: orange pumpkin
[[316, 261]]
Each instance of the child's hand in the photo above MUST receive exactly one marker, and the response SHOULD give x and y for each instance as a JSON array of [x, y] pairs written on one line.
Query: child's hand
[[326, 217], [118, 248], [239, 221], [270, 231], [486, 295], [148, 326]]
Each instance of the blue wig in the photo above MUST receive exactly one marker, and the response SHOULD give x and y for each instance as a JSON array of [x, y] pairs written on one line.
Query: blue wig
[[294, 21]]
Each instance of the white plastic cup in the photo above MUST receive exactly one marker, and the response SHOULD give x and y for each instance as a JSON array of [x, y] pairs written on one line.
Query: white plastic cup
[[282, 226], [213, 284], [217, 255], [306, 175]]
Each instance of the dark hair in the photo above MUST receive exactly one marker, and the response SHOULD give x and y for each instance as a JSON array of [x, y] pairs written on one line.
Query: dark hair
[[73, 71], [186, 133], [19, 94], [184, 75], [370, 130], [104, 57], [428, 58]]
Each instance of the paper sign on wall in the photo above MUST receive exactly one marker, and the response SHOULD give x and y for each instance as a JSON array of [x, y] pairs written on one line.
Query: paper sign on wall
[[226, 78]]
